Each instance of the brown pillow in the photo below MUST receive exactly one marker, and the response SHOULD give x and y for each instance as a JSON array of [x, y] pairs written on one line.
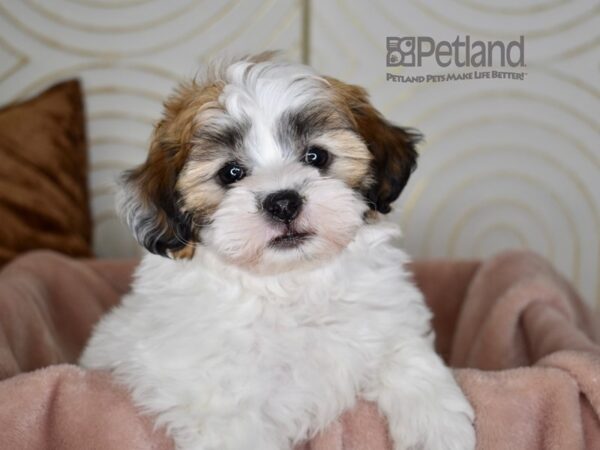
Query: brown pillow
[[43, 174]]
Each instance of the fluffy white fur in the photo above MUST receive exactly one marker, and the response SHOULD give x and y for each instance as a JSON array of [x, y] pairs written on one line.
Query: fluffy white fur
[[240, 233], [230, 360], [249, 347]]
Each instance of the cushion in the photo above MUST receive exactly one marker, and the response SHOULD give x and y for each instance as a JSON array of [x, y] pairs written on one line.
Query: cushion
[[526, 345], [43, 174]]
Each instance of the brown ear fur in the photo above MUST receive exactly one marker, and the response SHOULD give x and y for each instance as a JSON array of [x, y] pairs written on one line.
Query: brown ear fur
[[393, 147], [151, 204], [150, 201]]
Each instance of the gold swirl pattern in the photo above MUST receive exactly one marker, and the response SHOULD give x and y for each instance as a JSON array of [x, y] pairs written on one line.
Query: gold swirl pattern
[[11, 61], [485, 237], [567, 24], [52, 13], [505, 163], [105, 4], [513, 10]]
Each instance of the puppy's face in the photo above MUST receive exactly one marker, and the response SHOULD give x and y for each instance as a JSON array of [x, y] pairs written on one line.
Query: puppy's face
[[267, 164]]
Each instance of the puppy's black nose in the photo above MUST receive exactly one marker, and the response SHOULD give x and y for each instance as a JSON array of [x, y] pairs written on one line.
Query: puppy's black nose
[[283, 206]]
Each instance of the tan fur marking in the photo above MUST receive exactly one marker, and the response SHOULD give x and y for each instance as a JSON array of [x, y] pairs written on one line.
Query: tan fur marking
[[186, 252], [352, 158], [392, 147]]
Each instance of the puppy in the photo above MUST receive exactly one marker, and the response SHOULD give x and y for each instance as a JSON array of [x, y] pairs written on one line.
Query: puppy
[[272, 296]]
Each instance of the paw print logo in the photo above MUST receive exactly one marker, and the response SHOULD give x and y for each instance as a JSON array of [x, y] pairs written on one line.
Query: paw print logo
[[401, 51]]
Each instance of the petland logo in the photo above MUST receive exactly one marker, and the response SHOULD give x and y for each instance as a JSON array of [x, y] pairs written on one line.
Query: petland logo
[[413, 51]]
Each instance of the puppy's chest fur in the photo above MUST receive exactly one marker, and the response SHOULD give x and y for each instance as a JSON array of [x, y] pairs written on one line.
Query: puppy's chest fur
[[192, 338]]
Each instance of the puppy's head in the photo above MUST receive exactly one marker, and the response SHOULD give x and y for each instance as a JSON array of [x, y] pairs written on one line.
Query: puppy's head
[[268, 165]]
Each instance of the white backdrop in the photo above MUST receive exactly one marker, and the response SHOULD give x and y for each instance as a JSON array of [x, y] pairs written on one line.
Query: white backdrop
[[506, 163]]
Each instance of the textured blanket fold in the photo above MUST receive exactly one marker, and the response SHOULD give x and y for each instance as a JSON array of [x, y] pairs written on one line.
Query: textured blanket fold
[[523, 344]]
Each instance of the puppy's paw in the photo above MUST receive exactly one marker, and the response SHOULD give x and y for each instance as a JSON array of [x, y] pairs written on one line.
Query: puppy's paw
[[453, 431], [436, 429]]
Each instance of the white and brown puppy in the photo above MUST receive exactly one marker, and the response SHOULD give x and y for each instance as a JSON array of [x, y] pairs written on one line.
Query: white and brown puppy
[[281, 299]]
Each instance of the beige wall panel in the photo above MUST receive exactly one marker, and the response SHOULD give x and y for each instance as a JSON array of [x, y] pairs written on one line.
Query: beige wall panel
[[506, 163]]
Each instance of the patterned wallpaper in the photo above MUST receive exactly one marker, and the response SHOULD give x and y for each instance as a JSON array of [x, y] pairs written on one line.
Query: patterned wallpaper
[[505, 164]]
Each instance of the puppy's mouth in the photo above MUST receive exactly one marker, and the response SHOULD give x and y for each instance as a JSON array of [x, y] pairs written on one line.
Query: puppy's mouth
[[290, 239]]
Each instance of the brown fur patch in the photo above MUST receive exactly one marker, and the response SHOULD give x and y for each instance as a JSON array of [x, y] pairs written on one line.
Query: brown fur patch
[[156, 179], [392, 147]]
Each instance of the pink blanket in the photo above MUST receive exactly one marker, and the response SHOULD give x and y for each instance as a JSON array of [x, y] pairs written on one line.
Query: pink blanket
[[523, 344]]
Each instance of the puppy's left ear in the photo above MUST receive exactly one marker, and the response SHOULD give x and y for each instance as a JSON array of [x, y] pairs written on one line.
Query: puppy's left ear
[[393, 147]]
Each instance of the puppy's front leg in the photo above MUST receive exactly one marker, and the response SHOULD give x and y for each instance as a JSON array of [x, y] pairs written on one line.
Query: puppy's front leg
[[424, 406], [239, 430]]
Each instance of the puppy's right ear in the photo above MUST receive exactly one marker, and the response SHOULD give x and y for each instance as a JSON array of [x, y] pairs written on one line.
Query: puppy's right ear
[[149, 202]]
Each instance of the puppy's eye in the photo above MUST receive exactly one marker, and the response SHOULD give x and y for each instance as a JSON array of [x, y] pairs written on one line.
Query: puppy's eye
[[316, 156], [231, 172]]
